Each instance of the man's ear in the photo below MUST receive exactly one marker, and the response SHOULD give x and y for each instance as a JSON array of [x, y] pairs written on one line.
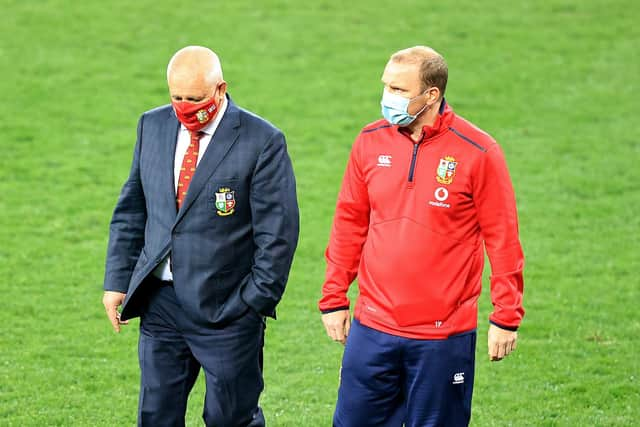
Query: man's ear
[[222, 89], [433, 94]]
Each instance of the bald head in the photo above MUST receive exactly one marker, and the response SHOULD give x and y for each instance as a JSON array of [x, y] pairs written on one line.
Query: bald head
[[193, 74], [195, 62], [432, 66]]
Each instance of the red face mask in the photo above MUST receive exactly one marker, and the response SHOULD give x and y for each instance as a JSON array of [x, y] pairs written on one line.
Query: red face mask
[[195, 116]]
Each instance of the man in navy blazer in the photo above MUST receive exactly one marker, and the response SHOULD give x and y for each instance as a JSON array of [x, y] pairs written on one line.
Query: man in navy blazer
[[201, 243]]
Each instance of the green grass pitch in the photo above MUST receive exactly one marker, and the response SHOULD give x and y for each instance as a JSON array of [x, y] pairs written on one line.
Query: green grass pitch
[[555, 82]]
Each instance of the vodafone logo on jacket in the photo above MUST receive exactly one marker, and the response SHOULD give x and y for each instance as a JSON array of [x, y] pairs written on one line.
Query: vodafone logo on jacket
[[441, 194]]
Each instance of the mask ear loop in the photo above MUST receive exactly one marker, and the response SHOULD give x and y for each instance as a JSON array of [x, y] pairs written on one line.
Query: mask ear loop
[[425, 105]]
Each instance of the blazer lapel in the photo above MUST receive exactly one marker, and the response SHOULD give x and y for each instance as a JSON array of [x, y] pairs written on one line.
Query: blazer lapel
[[223, 139], [167, 152]]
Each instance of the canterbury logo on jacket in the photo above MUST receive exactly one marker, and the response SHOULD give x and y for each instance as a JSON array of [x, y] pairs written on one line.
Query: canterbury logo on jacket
[[410, 223]]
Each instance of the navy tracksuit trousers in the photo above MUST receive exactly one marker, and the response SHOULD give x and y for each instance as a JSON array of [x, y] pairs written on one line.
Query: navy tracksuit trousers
[[391, 381]]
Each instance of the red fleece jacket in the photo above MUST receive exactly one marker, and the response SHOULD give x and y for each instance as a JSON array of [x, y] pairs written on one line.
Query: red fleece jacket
[[410, 223]]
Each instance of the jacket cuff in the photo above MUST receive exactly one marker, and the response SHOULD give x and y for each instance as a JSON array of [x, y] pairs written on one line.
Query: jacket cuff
[[331, 310], [508, 328]]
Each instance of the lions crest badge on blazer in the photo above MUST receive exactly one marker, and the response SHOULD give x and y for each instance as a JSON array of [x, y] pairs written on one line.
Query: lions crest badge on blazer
[[225, 201]]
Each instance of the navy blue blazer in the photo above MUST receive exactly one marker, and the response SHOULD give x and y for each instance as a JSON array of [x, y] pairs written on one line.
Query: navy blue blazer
[[233, 239]]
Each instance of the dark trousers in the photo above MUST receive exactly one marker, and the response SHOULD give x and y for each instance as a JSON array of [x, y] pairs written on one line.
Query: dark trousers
[[172, 349], [388, 380]]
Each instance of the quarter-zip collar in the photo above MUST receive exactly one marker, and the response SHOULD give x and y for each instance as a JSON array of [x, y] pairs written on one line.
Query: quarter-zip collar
[[441, 125]]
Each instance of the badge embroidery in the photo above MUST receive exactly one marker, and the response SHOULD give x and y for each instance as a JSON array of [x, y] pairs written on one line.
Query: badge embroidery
[[202, 116], [446, 170], [225, 201]]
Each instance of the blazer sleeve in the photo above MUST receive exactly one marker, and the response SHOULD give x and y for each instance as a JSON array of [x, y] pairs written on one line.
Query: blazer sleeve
[[275, 222], [126, 231]]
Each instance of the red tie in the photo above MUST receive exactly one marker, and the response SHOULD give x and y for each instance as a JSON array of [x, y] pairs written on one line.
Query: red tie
[[189, 162]]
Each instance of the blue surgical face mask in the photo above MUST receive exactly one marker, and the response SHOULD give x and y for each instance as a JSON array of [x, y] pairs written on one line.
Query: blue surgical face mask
[[394, 108]]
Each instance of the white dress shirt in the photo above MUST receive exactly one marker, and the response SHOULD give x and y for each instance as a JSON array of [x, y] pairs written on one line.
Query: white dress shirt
[[163, 270]]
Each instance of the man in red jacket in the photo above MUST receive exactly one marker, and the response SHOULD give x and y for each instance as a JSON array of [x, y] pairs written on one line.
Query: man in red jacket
[[424, 191]]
